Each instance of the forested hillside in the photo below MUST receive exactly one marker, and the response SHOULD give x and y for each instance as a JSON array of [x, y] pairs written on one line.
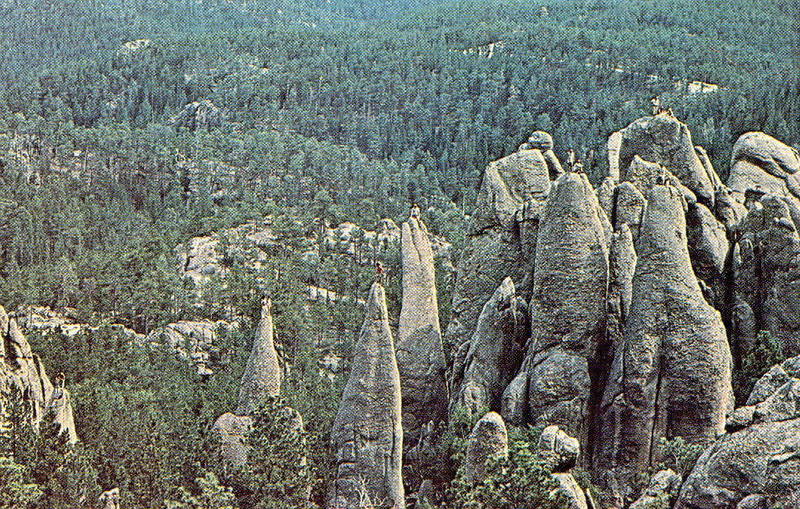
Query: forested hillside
[[133, 131]]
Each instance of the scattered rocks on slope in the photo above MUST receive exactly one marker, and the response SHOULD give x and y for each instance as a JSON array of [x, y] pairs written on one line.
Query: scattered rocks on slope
[[486, 364], [568, 312], [761, 457], [488, 442], [674, 375], [367, 434], [192, 340], [420, 355]]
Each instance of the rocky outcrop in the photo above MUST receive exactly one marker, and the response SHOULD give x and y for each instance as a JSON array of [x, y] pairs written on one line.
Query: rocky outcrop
[[262, 376], [199, 115], [671, 376], [488, 442], [192, 340], [501, 238], [23, 375], [761, 457], [664, 140], [488, 362], [568, 313], [760, 162], [767, 275], [562, 452], [661, 492], [367, 434], [420, 355]]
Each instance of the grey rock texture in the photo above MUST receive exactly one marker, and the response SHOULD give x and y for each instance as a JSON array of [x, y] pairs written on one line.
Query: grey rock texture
[[488, 441], [501, 238], [661, 492], [22, 369], [563, 451], [367, 434], [761, 162], [568, 312], [672, 374], [487, 363], [262, 376], [232, 431], [629, 204], [420, 355], [622, 265], [199, 115], [665, 140], [767, 274]]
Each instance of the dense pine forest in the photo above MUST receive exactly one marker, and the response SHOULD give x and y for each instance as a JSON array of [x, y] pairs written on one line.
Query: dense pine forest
[[129, 128]]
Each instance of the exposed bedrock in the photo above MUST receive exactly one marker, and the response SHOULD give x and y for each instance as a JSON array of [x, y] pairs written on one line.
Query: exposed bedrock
[[568, 313], [671, 375]]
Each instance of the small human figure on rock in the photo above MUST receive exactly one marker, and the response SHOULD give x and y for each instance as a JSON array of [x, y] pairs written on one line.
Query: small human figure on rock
[[380, 273], [414, 211], [656, 105], [570, 158]]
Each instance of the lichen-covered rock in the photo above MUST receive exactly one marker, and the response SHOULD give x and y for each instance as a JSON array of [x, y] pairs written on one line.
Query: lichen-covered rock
[[486, 364], [232, 431], [763, 163], [613, 145], [487, 442], [664, 140], [367, 434], [501, 238], [568, 310], [420, 355], [674, 375], [262, 376]]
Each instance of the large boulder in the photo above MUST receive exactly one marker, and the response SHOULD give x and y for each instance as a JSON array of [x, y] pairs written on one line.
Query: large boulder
[[420, 355], [763, 163], [664, 140], [486, 364], [501, 238], [488, 442], [568, 312], [562, 452], [367, 434], [661, 492], [671, 375]]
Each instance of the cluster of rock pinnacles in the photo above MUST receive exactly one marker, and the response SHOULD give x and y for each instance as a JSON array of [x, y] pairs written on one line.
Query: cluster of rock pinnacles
[[613, 317]]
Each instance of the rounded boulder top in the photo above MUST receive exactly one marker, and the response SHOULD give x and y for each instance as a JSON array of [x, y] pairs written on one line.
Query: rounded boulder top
[[540, 140]]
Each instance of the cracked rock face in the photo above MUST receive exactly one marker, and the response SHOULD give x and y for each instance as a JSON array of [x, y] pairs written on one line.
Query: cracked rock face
[[262, 376], [671, 376], [763, 163], [488, 441], [367, 434], [568, 312], [767, 275], [23, 370], [420, 355], [664, 140], [501, 238], [486, 364], [761, 457]]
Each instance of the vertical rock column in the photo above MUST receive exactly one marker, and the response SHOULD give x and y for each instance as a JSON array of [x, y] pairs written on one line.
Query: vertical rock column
[[672, 374], [420, 355], [367, 434], [262, 376], [568, 312]]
